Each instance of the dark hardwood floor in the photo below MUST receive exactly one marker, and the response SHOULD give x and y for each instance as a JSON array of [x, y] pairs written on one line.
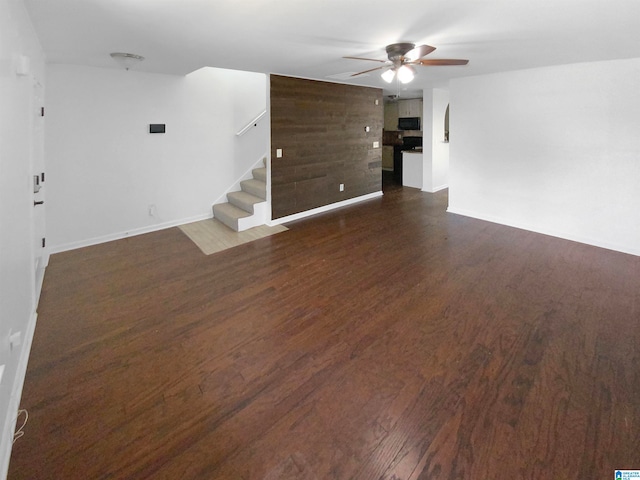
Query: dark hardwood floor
[[387, 340]]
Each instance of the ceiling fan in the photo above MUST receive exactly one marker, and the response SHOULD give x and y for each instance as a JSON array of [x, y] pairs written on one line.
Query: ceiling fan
[[402, 58]]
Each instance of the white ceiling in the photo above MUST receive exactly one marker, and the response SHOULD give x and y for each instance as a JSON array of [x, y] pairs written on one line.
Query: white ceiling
[[308, 39]]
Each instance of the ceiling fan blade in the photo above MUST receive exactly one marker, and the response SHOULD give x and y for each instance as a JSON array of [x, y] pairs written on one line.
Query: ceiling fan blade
[[440, 61], [418, 52], [367, 71], [370, 59]]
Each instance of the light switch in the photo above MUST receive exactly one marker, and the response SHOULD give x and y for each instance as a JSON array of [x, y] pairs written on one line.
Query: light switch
[[278, 153], [376, 144]]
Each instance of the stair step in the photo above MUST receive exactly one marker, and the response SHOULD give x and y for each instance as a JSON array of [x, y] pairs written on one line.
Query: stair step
[[255, 187], [229, 214], [244, 200], [260, 174]]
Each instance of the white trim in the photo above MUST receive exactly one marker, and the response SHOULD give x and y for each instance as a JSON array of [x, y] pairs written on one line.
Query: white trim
[[436, 189], [325, 208], [252, 123], [6, 442], [128, 233], [40, 279], [544, 231], [268, 155]]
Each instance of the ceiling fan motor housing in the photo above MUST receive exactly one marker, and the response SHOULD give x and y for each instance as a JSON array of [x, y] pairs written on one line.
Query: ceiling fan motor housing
[[396, 51]]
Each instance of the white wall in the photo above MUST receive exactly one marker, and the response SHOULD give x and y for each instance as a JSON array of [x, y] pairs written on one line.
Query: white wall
[[105, 170], [436, 174], [554, 150], [17, 277], [435, 153], [427, 139]]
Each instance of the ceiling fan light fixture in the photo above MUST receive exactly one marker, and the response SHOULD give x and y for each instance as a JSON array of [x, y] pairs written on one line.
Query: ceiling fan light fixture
[[127, 60], [388, 75], [402, 59], [406, 73]]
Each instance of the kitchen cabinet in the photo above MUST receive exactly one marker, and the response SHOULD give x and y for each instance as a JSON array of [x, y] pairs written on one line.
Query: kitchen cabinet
[[410, 108]]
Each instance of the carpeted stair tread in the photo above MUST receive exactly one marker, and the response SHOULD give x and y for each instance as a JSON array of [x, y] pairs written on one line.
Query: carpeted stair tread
[[229, 214], [260, 174], [254, 187], [243, 200]]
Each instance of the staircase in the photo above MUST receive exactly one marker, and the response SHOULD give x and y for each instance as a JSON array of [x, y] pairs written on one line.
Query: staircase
[[248, 207]]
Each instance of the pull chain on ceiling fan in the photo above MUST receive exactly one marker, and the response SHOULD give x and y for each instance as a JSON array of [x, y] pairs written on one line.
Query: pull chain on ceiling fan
[[402, 58]]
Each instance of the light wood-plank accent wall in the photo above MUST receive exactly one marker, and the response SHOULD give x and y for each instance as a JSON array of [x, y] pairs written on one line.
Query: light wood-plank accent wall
[[320, 127]]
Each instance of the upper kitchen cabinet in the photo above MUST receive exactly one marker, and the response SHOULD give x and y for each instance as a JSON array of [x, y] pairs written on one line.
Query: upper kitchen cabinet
[[410, 108]]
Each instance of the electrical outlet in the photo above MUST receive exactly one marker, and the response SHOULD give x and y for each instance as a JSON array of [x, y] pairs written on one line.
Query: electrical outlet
[[152, 210], [376, 144], [1, 372], [278, 153], [342, 187]]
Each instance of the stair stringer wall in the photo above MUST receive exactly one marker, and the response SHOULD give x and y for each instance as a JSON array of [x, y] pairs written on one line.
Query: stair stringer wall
[[259, 217]]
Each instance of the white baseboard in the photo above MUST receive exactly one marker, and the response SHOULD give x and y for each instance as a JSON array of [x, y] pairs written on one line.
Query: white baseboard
[[324, 208], [545, 231], [128, 233], [436, 189], [6, 442]]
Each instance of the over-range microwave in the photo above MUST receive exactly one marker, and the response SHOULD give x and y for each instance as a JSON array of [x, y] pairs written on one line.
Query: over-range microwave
[[409, 123]]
